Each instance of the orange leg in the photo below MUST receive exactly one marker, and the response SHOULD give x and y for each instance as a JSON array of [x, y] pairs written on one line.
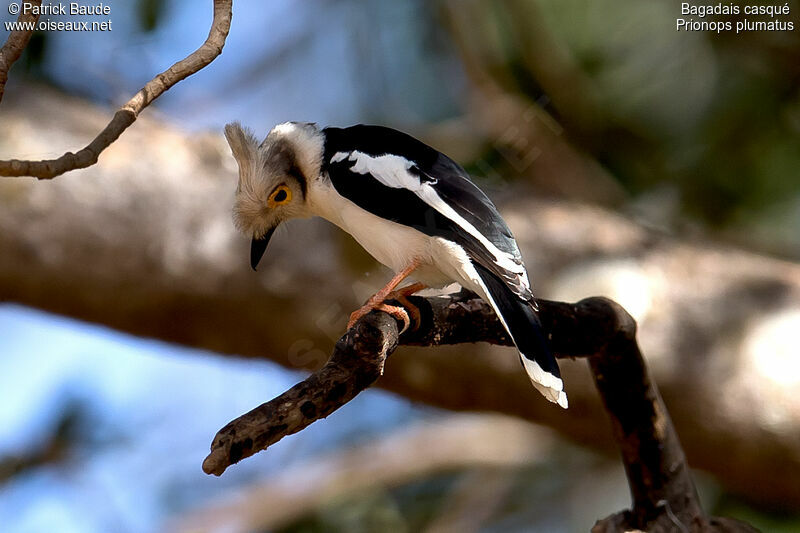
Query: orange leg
[[388, 291], [401, 295]]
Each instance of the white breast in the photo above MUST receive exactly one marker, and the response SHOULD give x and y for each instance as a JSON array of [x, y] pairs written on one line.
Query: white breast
[[392, 244]]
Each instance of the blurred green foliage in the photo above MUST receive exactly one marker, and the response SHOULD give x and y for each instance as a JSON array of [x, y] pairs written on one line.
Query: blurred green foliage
[[769, 523], [34, 53], [716, 117], [150, 13], [409, 507]]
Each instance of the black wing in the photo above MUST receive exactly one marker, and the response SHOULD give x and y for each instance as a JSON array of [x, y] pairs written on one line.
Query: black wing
[[451, 185]]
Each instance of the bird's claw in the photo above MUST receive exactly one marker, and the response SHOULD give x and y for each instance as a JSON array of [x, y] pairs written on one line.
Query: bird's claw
[[396, 311], [409, 313]]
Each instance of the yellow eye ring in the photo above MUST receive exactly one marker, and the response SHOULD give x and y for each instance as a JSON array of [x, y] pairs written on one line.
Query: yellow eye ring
[[280, 196]]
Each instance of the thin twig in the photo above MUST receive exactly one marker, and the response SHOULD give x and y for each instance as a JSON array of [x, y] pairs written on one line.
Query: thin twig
[[127, 114], [17, 41]]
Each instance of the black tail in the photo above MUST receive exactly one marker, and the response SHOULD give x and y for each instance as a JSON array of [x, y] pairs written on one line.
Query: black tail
[[522, 322]]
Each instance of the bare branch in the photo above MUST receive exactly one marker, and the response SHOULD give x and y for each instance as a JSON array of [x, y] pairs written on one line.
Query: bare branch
[[664, 495], [356, 363], [127, 114], [16, 42], [577, 330]]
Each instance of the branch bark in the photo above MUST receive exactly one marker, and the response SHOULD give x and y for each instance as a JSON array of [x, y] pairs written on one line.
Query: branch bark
[[128, 113], [16, 42], [359, 357], [663, 493]]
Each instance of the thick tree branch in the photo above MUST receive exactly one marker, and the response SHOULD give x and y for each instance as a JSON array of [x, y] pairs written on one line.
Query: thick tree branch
[[576, 330], [127, 114], [356, 363], [664, 495], [16, 43], [663, 492]]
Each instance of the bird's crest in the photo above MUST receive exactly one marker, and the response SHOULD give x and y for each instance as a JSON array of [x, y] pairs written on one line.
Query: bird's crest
[[250, 211], [243, 145]]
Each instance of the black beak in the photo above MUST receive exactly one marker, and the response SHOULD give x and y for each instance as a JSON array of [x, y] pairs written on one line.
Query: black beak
[[258, 247]]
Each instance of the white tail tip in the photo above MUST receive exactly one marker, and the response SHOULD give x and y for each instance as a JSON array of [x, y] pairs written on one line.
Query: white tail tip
[[549, 385]]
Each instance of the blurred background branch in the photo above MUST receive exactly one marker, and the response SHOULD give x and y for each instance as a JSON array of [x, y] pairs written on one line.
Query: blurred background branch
[[469, 441]]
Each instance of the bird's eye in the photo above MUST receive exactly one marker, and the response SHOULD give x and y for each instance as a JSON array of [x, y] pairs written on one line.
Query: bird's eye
[[281, 195]]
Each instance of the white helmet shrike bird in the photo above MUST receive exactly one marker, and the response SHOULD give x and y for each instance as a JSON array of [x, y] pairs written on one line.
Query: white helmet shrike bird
[[411, 207]]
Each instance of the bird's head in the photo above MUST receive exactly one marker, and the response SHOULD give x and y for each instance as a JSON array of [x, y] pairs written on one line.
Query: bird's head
[[274, 178]]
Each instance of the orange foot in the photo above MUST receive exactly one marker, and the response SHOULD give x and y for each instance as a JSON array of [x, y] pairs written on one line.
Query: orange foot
[[401, 295]]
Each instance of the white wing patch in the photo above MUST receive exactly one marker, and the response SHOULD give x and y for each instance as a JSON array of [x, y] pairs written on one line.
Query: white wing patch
[[393, 171], [339, 156]]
